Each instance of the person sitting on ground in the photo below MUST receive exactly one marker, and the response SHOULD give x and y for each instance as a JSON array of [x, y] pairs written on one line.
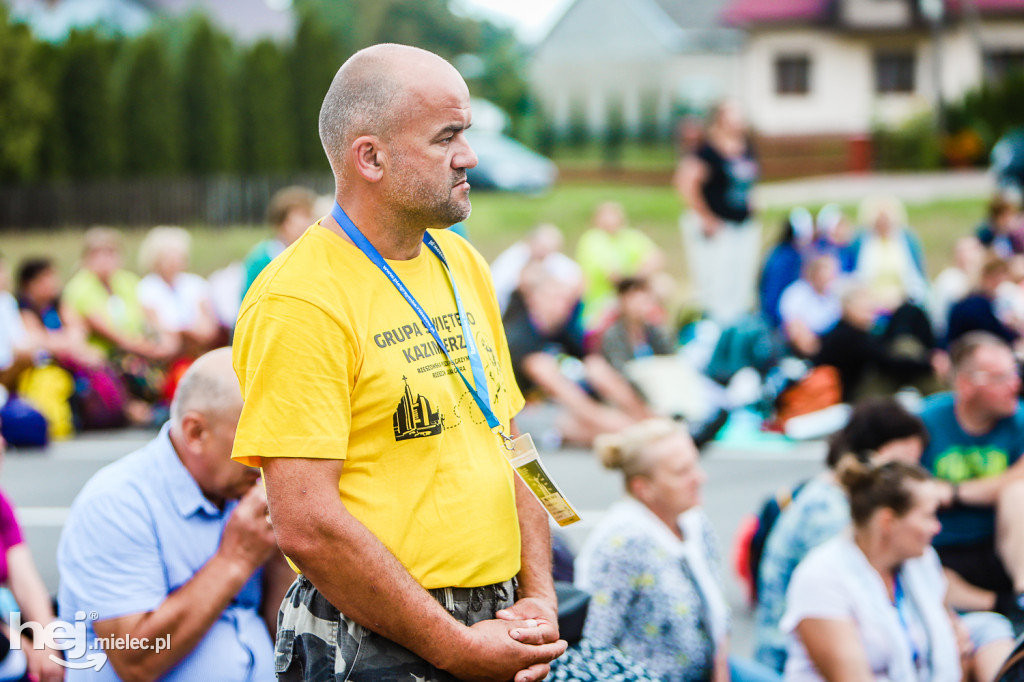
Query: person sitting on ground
[[174, 541], [178, 300], [977, 438], [100, 399], [869, 605], [785, 262], [652, 563], [977, 311], [1001, 232], [609, 252], [19, 573], [543, 245], [104, 295], [862, 358], [290, 212], [889, 258], [955, 282], [879, 430], [16, 351], [52, 325], [633, 335], [810, 306], [546, 345], [833, 236]]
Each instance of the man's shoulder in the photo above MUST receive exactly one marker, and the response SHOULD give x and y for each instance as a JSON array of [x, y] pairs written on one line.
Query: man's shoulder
[[455, 245], [937, 408], [126, 483], [306, 271]]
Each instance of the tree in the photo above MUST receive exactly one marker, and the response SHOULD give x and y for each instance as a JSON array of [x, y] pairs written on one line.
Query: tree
[[577, 135], [614, 134], [211, 141], [151, 111], [265, 111], [25, 104], [503, 81], [85, 105], [313, 60]]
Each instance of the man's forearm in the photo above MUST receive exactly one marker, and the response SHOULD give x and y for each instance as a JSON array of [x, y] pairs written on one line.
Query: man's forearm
[[985, 491], [535, 573], [184, 617]]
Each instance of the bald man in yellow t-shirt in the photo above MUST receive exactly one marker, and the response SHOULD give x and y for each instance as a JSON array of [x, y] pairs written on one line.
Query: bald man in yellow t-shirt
[[387, 489]]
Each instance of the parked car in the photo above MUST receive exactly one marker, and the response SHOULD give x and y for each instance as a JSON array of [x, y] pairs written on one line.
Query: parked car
[[505, 164]]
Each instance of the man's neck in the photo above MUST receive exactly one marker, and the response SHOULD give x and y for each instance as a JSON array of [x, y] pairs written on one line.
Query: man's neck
[[392, 239], [179, 448], [970, 421]]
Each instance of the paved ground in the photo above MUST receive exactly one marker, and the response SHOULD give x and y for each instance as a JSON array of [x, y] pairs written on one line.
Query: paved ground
[[852, 187], [43, 484]]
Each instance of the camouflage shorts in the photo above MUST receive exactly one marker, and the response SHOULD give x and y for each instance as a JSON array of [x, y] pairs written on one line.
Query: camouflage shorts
[[317, 643]]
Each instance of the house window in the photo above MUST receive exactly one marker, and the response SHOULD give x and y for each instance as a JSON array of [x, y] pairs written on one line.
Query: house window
[[894, 72], [792, 75], [1000, 63]]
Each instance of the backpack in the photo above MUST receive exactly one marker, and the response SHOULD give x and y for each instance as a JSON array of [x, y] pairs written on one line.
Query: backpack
[[753, 536]]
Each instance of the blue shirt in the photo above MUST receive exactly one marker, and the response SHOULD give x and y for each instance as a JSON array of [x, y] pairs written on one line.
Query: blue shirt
[[140, 529], [955, 455]]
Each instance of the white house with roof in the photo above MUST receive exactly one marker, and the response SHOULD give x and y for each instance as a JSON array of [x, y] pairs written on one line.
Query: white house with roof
[[644, 56], [837, 67]]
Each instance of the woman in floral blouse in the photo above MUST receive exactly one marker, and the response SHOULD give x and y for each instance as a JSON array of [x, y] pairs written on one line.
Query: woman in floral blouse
[[652, 564]]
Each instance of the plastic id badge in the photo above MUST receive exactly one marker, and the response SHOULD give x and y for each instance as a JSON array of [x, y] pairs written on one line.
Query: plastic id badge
[[526, 461]]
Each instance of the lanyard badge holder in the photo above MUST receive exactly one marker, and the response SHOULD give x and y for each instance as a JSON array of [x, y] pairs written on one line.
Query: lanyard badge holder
[[520, 452]]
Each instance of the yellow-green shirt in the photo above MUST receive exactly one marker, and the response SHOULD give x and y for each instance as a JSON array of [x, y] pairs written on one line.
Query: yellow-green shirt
[[334, 364], [119, 305]]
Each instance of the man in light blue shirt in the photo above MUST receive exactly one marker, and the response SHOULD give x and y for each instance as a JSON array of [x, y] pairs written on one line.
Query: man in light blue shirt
[[172, 546]]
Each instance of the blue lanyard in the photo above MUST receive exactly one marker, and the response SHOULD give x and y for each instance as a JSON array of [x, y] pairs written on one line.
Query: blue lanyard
[[900, 600], [479, 387]]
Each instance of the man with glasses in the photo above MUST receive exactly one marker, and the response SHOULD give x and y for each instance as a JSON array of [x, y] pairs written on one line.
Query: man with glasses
[[976, 440]]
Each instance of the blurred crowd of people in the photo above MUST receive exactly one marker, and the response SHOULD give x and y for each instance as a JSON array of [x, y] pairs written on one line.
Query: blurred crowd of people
[[107, 348], [851, 574]]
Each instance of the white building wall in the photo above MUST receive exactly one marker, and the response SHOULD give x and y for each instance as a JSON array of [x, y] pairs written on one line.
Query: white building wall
[[841, 83]]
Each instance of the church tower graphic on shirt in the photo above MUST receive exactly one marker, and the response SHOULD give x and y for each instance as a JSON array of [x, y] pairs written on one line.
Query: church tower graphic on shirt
[[414, 417]]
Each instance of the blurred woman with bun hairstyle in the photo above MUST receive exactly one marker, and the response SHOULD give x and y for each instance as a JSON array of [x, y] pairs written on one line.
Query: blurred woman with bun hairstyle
[[869, 604], [879, 430], [652, 563]]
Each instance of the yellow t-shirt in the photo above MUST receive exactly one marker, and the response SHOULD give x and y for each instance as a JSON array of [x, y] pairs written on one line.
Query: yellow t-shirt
[[334, 364]]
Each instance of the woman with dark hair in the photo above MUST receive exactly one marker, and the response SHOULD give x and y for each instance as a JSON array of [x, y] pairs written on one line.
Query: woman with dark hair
[[100, 399], [870, 604], [879, 430], [53, 327], [785, 262]]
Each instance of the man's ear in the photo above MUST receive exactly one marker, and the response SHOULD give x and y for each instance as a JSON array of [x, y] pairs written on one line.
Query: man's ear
[[193, 429], [367, 158]]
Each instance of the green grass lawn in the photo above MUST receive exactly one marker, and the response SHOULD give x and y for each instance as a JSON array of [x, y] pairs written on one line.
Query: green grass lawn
[[500, 219]]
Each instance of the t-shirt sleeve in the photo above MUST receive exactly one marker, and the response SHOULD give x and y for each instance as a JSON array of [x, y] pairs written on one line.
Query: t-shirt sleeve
[[814, 592], [296, 366], [109, 557], [10, 531]]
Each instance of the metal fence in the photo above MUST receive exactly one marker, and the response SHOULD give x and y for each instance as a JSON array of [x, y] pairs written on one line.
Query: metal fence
[[221, 200]]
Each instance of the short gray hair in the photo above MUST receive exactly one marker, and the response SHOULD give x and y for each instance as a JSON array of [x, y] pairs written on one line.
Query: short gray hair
[[209, 387], [360, 101]]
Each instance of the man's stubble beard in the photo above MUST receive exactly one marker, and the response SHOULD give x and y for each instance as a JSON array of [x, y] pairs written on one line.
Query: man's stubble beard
[[420, 206]]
